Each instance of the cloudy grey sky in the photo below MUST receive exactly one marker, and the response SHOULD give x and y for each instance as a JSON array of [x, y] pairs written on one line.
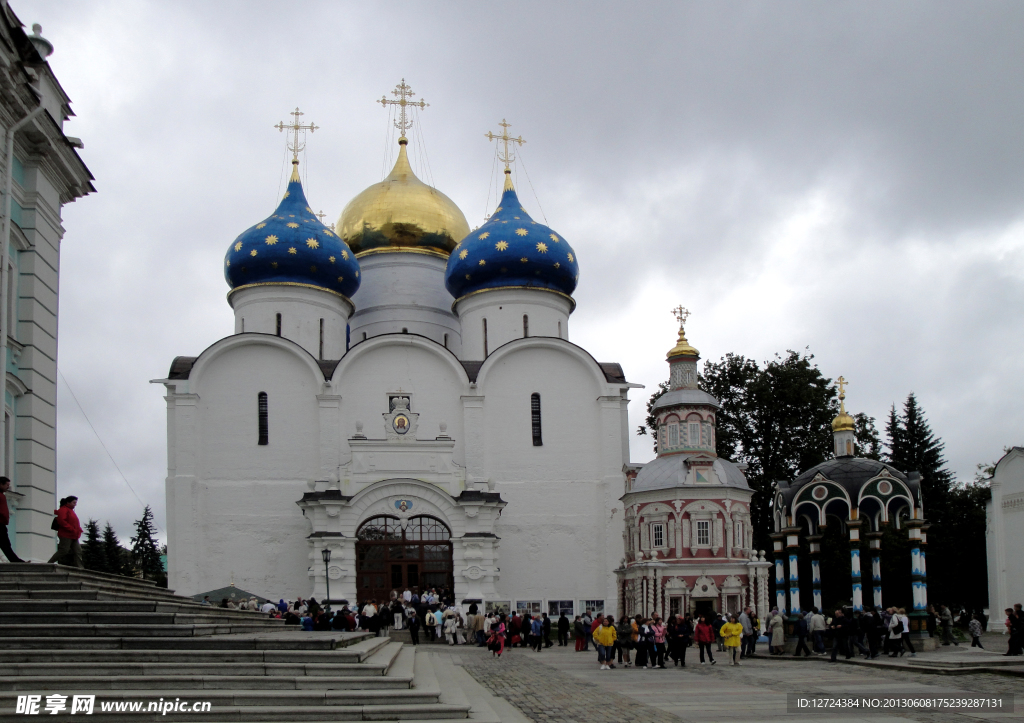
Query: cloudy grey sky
[[840, 176]]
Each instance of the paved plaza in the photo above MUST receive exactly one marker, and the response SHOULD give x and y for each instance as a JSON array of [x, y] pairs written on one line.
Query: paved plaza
[[559, 685]]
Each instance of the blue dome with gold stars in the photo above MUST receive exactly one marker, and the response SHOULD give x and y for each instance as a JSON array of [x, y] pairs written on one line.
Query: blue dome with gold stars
[[292, 247], [511, 250]]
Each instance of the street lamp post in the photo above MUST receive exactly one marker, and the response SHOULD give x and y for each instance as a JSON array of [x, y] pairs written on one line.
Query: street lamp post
[[327, 576]]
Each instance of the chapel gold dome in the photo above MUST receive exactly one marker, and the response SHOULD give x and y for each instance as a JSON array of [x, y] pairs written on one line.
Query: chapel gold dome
[[402, 213]]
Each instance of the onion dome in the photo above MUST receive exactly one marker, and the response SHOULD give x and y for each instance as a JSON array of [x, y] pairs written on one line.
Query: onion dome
[[402, 213], [292, 247], [512, 250], [682, 347], [843, 421]]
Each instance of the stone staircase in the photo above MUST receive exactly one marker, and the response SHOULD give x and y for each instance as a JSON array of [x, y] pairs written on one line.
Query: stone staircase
[[141, 649]]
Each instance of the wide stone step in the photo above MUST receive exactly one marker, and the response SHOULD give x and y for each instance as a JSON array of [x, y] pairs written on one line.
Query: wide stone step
[[130, 619], [273, 640], [194, 659], [198, 667], [135, 631], [301, 681], [27, 605], [57, 587]]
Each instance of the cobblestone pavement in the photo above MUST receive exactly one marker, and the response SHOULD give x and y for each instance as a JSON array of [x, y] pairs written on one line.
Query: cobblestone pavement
[[561, 686]]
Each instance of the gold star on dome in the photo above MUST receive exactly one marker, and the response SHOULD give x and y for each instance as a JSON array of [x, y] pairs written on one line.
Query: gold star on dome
[[292, 224], [229, 262], [271, 240], [463, 254], [522, 209], [542, 247], [498, 209], [467, 277], [291, 215], [274, 264], [357, 274], [482, 262], [328, 233], [558, 265], [261, 225], [238, 246], [341, 278], [570, 257], [287, 194], [524, 259], [312, 269], [253, 252], [501, 245], [521, 232], [484, 235], [344, 255], [292, 250], [516, 218], [554, 238], [331, 259], [309, 209], [312, 243]]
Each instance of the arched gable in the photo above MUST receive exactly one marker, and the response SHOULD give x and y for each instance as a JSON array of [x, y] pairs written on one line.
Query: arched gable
[[378, 498], [375, 344], [588, 362], [228, 344]]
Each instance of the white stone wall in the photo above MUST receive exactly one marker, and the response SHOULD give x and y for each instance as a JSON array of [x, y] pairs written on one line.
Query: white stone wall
[[560, 533], [546, 314], [404, 290], [302, 310], [1004, 537]]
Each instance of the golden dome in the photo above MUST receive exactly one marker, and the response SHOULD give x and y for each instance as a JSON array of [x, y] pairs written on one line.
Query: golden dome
[[682, 346], [402, 213]]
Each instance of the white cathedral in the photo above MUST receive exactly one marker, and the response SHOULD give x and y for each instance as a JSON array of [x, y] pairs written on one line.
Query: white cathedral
[[405, 394], [401, 406]]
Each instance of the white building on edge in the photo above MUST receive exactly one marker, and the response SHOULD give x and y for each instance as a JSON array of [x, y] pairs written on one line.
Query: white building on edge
[[405, 394]]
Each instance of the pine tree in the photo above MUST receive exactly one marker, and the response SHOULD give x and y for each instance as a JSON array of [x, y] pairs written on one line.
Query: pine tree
[[145, 552], [114, 553], [93, 555]]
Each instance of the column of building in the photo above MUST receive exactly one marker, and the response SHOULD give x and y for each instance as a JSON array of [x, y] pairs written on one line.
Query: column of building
[[875, 543], [793, 550], [814, 543], [853, 525], [780, 573]]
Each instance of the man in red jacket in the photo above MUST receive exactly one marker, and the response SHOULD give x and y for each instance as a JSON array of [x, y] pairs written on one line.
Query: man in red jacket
[[5, 519], [68, 532]]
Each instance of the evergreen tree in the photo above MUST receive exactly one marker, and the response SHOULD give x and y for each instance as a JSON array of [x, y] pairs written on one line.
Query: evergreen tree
[[728, 381], [869, 444], [113, 553], [145, 552], [93, 554]]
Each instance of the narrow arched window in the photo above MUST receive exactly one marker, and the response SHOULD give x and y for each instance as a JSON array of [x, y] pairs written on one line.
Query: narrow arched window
[[485, 338], [538, 441], [278, 331], [364, 336], [445, 341], [261, 403], [321, 339], [526, 326], [559, 330], [243, 324]]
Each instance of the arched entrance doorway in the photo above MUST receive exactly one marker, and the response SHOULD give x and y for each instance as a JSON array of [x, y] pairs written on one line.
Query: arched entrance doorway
[[389, 557]]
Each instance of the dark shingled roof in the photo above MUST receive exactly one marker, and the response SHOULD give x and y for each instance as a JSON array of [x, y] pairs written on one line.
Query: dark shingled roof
[[478, 496], [612, 371], [181, 367], [850, 472]]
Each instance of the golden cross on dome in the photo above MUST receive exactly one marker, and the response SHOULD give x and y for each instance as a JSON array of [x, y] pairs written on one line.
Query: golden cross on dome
[[320, 216], [296, 143], [681, 315], [504, 155], [403, 92], [842, 387]]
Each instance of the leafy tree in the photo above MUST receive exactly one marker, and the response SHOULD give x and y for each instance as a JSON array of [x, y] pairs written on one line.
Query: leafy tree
[[145, 552], [869, 444], [115, 555], [728, 381], [93, 555]]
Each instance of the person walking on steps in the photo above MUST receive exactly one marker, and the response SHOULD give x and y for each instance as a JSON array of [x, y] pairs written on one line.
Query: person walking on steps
[[69, 530], [5, 519]]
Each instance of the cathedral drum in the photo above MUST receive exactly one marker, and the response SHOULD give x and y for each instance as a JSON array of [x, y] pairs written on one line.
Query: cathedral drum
[[395, 554]]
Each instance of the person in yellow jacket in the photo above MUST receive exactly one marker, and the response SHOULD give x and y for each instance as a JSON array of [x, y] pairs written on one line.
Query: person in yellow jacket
[[604, 638], [732, 633]]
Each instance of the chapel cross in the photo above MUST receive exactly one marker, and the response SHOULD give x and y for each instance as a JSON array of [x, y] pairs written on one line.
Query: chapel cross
[[681, 315], [320, 216], [403, 92], [295, 145], [842, 387], [505, 156]]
